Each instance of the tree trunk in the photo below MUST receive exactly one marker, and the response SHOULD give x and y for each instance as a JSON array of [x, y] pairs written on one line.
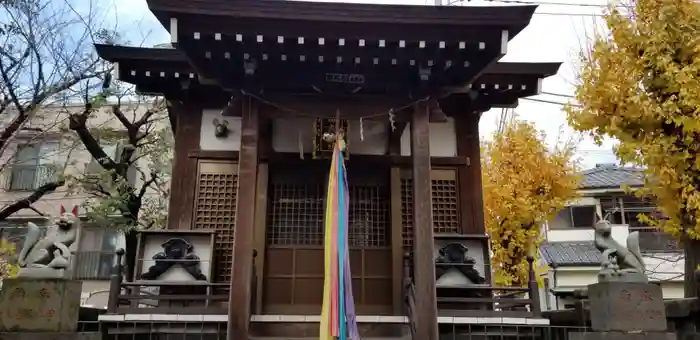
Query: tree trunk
[[692, 260]]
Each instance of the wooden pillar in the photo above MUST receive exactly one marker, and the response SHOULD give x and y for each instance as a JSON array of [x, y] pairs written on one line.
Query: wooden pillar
[[424, 265], [188, 118], [469, 177], [240, 294], [397, 251]]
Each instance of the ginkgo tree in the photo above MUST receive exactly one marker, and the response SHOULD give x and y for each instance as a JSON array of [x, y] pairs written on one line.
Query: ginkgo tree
[[525, 184], [640, 84]]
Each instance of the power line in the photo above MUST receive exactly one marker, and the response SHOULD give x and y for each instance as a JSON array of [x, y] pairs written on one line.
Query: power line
[[455, 2], [550, 102], [549, 3], [592, 15], [545, 3], [558, 94]]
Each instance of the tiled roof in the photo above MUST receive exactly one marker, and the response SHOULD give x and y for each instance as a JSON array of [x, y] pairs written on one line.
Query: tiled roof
[[610, 176], [562, 254]]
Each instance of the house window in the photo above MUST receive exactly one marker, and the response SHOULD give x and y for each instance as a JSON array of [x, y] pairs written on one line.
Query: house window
[[95, 258], [33, 167], [612, 209], [580, 216], [633, 207], [583, 216], [114, 151]]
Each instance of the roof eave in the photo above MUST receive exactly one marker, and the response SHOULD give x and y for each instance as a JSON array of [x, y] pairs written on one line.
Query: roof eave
[[114, 53], [515, 18]]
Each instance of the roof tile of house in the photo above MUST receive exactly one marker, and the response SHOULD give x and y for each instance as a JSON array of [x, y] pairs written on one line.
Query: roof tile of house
[[610, 176], [562, 254]]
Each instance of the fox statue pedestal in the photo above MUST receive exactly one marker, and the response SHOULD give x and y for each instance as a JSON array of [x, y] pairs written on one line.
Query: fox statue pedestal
[[626, 311], [623, 304], [35, 308], [43, 302]]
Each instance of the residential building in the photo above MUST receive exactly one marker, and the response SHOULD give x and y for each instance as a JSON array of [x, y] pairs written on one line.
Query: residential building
[[37, 155], [568, 249]]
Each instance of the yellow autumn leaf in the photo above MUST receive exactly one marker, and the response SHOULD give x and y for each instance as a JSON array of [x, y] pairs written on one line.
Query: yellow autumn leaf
[[525, 184], [640, 84]]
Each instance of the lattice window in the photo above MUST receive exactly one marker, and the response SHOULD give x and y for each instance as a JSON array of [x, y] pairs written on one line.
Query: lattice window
[[216, 209], [369, 217], [407, 212], [296, 215], [445, 205]]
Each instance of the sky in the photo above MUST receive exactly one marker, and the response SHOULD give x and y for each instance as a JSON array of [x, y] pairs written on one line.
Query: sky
[[558, 32]]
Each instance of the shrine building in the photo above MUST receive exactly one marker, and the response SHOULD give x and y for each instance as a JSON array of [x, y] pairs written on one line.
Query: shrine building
[[254, 87]]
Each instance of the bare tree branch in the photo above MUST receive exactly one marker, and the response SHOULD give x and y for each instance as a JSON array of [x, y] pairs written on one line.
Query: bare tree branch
[[27, 202], [44, 57]]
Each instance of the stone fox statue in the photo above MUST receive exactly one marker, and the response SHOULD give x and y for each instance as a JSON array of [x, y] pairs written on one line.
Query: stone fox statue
[[629, 258], [54, 250]]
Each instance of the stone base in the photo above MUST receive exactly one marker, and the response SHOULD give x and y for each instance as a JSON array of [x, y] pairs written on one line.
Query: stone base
[[622, 336], [626, 306], [43, 273], [39, 305], [51, 336]]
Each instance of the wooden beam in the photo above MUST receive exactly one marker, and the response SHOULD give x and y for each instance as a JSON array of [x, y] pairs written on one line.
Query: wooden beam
[[464, 181], [467, 112], [292, 157], [240, 293], [188, 119], [358, 160], [424, 265], [437, 115], [282, 106], [214, 154], [260, 232], [470, 184]]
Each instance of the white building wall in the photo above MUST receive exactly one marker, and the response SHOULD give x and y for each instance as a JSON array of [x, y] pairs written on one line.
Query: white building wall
[[443, 140], [295, 135]]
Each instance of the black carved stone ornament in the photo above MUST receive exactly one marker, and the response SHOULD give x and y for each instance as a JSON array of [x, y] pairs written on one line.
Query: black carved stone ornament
[[176, 251], [454, 256]]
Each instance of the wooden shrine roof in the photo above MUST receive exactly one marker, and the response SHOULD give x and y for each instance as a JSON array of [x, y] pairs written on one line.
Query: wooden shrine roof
[[338, 48], [168, 71], [295, 12]]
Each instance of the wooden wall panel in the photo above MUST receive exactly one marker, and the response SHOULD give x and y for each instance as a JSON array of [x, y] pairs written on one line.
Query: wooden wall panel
[[215, 208], [470, 185], [446, 204], [188, 120]]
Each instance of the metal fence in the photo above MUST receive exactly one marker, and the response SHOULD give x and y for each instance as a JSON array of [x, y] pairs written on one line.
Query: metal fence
[[507, 331], [94, 265], [654, 240]]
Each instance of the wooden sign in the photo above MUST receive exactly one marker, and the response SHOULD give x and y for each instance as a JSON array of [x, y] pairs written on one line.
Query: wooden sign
[[345, 78]]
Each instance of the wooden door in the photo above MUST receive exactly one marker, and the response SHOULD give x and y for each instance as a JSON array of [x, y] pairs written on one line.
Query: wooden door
[[293, 278]]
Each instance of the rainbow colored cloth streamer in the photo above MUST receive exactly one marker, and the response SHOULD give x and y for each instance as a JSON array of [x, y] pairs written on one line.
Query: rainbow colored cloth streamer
[[338, 321]]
